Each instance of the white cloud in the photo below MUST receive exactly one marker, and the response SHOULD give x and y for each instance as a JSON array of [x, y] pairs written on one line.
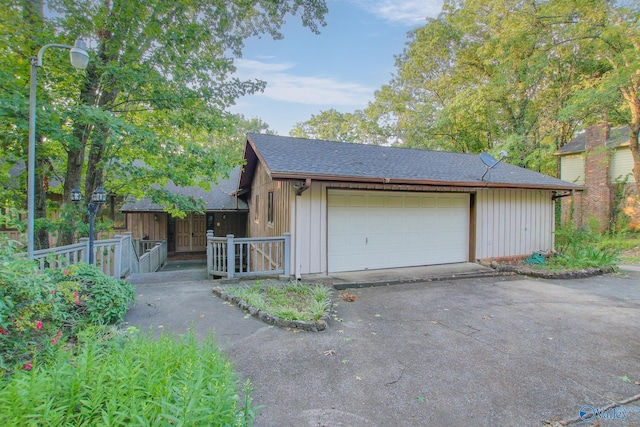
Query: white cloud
[[408, 12], [249, 65], [310, 90]]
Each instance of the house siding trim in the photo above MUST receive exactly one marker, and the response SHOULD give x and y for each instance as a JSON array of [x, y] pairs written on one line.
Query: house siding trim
[[514, 224]]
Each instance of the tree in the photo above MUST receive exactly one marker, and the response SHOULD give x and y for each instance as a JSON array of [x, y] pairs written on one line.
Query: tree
[[480, 77], [609, 32], [157, 89], [333, 125]]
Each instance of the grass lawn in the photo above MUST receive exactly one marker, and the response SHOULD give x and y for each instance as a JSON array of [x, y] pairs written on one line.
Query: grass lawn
[[290, 301]]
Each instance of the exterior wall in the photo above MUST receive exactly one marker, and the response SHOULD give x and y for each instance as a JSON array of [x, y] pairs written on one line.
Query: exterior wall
[[258, 224], [146, 226], [621, 167], [513, 223], [604, 169], [309, 230], [596, 200], [508, 223], [572, 168]]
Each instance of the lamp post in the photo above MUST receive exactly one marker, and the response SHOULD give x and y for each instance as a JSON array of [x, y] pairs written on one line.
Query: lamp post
[[79, 58], [98, 198]]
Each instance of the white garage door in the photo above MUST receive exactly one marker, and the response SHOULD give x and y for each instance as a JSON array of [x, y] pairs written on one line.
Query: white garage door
[[377, 229]]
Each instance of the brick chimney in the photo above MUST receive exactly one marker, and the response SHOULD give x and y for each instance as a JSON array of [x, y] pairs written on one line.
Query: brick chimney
[[597, 198]]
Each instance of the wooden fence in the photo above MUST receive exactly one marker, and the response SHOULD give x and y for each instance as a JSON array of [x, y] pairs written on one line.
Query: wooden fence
[[116, 257], [248, 256]]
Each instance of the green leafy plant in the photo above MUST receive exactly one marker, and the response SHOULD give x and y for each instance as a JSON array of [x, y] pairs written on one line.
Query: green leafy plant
[[105, 299], [40, 309], [291, 301], [580, 249], [129, 379]]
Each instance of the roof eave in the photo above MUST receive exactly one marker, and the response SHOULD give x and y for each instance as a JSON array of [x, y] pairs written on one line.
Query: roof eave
[[395, 181]]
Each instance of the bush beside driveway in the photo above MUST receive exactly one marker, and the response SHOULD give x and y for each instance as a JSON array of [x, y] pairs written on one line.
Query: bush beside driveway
[[482, 352]]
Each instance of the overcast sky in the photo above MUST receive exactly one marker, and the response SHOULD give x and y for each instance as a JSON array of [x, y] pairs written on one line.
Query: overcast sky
[[339, 68]]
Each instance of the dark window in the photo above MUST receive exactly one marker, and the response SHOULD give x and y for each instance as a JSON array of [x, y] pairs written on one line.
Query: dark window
[[270, 207], [256, 211]]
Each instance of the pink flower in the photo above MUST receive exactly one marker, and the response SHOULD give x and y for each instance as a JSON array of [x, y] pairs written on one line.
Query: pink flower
[[38, 272], [75, 294], [27, 366], [39, 324], [55, 339], [77, 301], [3, 331], [53, 292], [65, 272]]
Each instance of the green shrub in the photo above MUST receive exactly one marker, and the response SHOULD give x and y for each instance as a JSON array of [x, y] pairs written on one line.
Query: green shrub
[[579, 249], [128, 380], [104, 299], [31, 316], [40, 309]]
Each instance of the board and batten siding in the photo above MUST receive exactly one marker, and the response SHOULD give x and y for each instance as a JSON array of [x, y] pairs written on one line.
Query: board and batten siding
[[309, 230], [621, 165], [144, 225], [572, 168], [258, 225], [513, 223]]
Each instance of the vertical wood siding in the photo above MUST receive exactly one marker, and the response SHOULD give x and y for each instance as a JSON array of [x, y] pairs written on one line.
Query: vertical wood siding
[[513, 223], [261, 186], [309, 243], [142, 225], [572, 169]]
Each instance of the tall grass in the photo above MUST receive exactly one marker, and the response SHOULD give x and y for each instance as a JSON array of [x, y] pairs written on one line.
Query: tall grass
[[133, 380], [291, 301]]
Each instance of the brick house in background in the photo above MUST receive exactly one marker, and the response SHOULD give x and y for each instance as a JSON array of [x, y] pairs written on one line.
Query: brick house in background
[[600, 160]]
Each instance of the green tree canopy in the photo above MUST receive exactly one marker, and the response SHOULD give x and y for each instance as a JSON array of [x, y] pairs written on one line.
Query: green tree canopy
[[155, 96]]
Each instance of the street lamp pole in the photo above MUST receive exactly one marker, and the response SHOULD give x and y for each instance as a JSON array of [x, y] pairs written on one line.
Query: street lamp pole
[[79, 58], [98, 198]]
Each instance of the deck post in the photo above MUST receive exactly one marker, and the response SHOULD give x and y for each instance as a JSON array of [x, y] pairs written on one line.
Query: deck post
[[117, 258], [209, 252], [287, 255], [85, 251], [231, 256]]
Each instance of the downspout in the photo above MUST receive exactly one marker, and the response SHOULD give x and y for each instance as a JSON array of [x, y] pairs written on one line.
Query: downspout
[[305, 187], [299, 191]]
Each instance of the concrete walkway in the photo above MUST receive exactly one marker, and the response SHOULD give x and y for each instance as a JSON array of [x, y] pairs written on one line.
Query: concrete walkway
[[481, 351]]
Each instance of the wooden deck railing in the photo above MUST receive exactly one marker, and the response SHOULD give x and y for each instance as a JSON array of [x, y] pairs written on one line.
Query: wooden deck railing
[[115, 257], [248, 256]]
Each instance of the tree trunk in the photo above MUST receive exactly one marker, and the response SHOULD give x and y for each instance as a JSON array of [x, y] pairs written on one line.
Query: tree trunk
[[635, 153], [41, 235]]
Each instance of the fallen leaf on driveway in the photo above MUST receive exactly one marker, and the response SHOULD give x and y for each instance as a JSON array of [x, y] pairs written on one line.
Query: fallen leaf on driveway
[[202, 316], [329, 352], [486, 317], [434, 322], [349, 297]]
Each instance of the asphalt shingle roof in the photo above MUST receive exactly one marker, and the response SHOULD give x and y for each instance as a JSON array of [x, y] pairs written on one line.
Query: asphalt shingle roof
[[219, 198], [618, 136], [289, 157]]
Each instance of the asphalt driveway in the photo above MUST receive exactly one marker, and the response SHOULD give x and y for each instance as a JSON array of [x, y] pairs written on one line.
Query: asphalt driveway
[[492, 351]]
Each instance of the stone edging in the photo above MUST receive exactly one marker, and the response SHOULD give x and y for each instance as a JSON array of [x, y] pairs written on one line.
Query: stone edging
[[270, 319], [568, 274]]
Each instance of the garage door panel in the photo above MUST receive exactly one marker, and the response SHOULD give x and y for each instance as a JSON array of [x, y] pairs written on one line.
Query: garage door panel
[[369, 230]]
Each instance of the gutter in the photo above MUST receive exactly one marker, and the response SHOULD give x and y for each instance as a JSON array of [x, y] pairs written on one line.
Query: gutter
[[305, 187]]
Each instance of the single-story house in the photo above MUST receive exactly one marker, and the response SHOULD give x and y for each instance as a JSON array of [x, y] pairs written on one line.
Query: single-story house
[[354, 207], [225, 214], [600, 160]]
